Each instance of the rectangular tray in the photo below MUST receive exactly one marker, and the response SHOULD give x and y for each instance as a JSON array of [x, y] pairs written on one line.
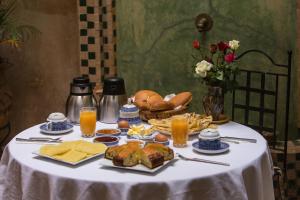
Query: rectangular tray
[[69, 163], [108, 163]]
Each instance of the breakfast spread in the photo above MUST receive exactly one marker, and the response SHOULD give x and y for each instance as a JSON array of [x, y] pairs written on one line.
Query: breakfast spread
[[152, 101], [196, 123], [72, 151], [131, 154]]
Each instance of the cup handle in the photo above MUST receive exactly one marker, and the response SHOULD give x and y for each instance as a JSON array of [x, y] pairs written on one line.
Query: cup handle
[[48, 124]]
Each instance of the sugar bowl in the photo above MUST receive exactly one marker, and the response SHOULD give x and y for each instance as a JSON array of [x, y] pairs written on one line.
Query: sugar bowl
[[209, 139]]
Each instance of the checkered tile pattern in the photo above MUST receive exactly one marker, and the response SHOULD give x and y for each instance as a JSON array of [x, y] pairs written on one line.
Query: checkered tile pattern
[[293, 168], [97, 24]]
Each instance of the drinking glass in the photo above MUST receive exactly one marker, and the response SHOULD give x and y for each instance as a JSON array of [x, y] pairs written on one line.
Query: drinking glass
[[179, 125], [88, 121]]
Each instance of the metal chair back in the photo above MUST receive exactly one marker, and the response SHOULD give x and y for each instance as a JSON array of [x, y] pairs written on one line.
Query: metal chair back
[[262, 109]]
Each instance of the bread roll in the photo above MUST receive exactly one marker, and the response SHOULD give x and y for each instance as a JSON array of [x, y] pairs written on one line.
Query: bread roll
[[142, 105], [160, 106], [150, 100], [143, 95], [181, 99]]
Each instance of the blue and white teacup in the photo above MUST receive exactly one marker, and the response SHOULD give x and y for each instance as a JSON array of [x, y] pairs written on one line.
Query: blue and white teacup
[[57, 122], [209, 139]]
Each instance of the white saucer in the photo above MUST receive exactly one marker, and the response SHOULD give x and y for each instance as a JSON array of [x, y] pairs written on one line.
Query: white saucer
[[224, 147], [44, 129]]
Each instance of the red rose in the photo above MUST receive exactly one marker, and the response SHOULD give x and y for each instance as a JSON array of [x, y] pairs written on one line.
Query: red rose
[[223, 46], [213, 48], [229, 58], [196, 44]]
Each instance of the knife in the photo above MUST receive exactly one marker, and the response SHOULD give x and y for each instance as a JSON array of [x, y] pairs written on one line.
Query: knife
[[203, 160], [37, 140], [241, 139]]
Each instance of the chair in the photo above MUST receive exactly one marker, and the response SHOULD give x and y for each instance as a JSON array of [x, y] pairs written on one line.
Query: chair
[[262, 109]]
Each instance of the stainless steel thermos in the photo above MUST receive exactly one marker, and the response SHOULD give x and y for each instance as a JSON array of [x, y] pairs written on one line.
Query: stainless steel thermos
[[114, 96], [81, 95]]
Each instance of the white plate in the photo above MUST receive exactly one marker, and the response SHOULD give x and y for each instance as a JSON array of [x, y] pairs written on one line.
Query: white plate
[[224, 147], [108, 163], [43, 129], [69, 163]]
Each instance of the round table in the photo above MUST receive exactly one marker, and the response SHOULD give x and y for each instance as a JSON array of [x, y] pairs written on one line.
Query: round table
[[249, 176]]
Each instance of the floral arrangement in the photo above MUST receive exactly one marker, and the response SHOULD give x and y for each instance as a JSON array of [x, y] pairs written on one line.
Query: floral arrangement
[[217, 66]]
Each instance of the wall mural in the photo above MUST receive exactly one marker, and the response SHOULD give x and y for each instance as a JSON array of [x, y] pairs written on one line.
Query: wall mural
[[155, 42]]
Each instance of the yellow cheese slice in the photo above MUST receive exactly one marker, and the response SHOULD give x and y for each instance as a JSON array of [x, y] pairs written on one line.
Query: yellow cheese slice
[[72, 144], [91, 148], [51, 150], [71, 156]]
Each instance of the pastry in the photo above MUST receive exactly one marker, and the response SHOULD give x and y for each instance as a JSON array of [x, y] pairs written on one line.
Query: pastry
[[131, 154], [151, 158], [167, 152], [181, 99], [111, 152], [128, 157]]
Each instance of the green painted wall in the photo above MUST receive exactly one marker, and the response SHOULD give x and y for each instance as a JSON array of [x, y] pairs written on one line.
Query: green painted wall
[[155, 37]]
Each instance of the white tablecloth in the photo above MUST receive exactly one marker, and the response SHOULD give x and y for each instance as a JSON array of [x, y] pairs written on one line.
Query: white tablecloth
[[23, 176]]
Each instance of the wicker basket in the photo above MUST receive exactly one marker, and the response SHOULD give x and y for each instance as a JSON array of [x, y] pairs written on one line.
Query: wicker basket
[[146, 114]]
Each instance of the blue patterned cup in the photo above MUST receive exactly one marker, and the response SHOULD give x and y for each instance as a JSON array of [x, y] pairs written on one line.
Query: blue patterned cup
[[56, 122], [209, 139]]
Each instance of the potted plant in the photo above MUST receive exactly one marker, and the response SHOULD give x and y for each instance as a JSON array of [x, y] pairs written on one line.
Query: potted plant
[[12, 34], [217, 69]]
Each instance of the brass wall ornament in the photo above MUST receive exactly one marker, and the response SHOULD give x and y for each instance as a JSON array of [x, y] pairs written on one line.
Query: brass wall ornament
[[203, 22]]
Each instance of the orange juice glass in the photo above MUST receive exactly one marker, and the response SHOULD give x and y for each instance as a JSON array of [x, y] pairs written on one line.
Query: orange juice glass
[[88, 121], [179, 125]]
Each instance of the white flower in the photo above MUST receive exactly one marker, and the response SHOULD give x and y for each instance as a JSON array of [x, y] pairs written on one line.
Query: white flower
[[203, 74], [234, 44], [202, 68]]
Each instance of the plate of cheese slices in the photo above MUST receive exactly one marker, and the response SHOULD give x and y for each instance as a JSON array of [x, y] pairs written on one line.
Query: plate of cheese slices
[[71, 152]]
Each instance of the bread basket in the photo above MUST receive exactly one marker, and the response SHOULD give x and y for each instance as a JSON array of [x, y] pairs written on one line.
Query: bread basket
[[146, 114]]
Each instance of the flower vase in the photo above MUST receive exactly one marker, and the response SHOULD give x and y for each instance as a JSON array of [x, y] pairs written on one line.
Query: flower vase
[[213, 102]]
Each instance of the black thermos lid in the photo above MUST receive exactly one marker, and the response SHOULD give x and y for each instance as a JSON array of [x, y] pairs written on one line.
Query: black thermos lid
[[81, 81], [113, 86]]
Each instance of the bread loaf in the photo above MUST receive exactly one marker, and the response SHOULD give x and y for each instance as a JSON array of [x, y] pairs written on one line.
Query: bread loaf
[[181, 99]]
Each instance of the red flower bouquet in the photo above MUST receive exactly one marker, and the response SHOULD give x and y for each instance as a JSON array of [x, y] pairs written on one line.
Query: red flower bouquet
[[217, 66]]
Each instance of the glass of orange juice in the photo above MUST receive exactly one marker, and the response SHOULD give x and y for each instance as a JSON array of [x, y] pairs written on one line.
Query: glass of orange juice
[[179, 125], [88, 121]]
